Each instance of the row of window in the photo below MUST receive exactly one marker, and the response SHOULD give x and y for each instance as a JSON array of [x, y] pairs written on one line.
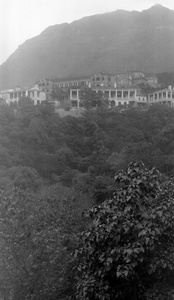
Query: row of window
[[70, 84], [120, 94], [75, 103], [112, 94], [16, 95], [165, 95], [44, 84], [101, 79]]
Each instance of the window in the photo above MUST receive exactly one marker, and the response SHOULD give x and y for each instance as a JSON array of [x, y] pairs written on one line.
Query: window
[[103, 78], [132, 94], [15, 95], [107, 94], [19, 94], [74, 94], [11, 95], [28, 93], [125, 94], [119, 94], [38, 94], [113, 94], [169, 95], [155, 96], [172, 95], [164, 94]]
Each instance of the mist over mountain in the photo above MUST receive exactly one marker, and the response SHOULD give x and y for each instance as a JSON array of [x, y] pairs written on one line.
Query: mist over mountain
[[111, 42]]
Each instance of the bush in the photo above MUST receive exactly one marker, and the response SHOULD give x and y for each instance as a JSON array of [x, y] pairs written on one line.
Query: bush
[[129, 247]]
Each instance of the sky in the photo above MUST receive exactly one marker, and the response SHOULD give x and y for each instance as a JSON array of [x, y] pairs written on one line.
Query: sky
[[21, 20]]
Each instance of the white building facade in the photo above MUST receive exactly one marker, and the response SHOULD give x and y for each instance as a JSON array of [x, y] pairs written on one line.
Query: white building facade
[[164, 96], [14, 95], [116, 97]]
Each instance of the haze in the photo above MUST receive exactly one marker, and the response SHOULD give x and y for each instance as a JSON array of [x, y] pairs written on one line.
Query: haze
[[24, 19]]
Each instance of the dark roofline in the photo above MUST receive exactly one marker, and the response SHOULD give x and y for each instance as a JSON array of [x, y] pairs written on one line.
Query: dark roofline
[[72, 78], [63, 79]]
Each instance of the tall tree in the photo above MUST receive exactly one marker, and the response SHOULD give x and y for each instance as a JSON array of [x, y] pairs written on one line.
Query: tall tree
[[129, 246]]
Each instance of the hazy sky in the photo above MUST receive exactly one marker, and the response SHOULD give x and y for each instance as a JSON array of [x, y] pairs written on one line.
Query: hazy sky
[[24, 19]]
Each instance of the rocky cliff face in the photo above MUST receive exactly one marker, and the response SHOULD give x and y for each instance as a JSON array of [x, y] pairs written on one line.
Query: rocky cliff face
[[109, 42]]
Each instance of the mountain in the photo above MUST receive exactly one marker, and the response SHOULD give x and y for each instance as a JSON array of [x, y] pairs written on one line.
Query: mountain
[[111, 42]]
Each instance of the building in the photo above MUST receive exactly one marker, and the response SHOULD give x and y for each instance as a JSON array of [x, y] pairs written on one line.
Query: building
[[124, 79], [103, 80], [164, 96], [141, 99], [67, 83], [14, 95], [50, 85], [152, 80], [115, 96], [45, 85], [136, 78]]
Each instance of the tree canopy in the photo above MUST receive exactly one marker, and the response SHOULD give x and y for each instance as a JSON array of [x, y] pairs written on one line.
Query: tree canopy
[[129, 247]]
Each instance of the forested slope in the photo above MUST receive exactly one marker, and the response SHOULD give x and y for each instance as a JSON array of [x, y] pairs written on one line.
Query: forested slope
[[51, 170]]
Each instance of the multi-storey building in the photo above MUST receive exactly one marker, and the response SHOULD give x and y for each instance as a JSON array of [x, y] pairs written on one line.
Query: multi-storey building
[[115, 96], [136, 78], [14, 95], [124, 79], [50, 85], [127, 79], [67, 83], [164, 96], [45, 85], [103, 80], [152, 80]]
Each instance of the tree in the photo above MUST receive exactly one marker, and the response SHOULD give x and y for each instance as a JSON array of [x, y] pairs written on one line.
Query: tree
[[91, 98], [60, 94], [129, 246], [26, 178], [37, 235]]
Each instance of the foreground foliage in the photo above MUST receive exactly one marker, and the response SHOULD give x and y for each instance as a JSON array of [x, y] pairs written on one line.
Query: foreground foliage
[[130, 246], [37, 234]]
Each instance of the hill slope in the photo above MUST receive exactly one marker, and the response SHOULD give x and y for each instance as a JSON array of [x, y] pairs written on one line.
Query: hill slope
[[106, 42]]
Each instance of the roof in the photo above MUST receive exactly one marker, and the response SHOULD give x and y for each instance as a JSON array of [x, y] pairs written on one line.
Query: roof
[[163, 90], [64, 79]]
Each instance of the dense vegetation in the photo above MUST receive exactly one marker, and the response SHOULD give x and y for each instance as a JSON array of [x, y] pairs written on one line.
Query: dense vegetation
[[128, 250], [52, 169]]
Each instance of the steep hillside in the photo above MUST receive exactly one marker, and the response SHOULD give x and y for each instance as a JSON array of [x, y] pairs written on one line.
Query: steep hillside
[[106, 42]]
